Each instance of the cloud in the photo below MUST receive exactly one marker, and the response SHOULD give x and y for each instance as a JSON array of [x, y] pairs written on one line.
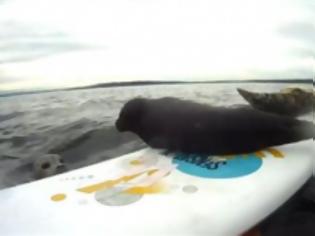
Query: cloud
[[152, 40], [310, 5], [300, 31], [292, 73], [304, 31], [21, 42], [5, 78], [303, 52]]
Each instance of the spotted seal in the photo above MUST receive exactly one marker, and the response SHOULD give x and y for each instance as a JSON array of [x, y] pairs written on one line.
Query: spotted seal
[[289, 101]]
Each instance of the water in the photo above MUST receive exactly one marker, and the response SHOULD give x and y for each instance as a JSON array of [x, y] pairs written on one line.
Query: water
[[79, 124]]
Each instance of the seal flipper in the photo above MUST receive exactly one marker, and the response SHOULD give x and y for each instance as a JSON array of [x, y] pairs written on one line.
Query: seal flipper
[[298, 131], [303, 130]]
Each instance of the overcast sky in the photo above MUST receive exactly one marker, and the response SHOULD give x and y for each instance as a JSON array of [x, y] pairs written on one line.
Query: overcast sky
[[57, 43]]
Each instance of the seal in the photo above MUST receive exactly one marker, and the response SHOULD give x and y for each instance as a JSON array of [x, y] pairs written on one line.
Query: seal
[[47, 165], [189, 127], [289, 101]]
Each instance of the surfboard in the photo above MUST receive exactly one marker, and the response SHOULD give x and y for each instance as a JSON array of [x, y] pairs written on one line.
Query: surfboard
[[149, 192]]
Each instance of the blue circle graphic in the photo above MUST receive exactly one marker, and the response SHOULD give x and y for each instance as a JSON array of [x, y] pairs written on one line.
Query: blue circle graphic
[[207, 167]]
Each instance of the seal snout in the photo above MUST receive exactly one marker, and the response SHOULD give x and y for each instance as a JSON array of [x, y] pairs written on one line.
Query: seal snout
[[119, 125]]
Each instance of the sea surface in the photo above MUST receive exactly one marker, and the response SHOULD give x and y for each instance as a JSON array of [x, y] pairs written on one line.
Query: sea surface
[[79, 124]]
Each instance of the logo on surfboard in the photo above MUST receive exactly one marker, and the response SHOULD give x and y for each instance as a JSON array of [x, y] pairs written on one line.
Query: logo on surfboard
[[223, 166]]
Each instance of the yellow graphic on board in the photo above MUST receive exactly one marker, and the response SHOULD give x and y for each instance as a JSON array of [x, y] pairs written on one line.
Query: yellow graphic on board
[[275, 153], [260, 154], [58, 197], [108, 183], [156, 186]]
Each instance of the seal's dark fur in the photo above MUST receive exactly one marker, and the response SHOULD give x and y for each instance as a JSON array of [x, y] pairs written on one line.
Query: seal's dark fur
[[186, 126]]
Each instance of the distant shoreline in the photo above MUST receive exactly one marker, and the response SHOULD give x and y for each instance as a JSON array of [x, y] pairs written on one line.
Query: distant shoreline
[[157, 82], [144, 83]]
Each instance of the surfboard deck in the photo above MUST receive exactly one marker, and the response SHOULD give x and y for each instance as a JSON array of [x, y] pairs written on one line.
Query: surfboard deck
[[149, 193]]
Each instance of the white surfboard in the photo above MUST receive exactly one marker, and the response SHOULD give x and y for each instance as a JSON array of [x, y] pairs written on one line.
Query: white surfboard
[[148, 193]]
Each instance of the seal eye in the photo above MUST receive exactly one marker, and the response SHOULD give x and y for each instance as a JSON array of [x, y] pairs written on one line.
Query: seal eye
[[45, 165]]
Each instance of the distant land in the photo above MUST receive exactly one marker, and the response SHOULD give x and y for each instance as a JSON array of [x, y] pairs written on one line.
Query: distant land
[[17, 93], [155, 82]]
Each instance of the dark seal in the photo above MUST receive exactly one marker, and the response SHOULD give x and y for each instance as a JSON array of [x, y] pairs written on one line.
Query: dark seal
[[185, 126]]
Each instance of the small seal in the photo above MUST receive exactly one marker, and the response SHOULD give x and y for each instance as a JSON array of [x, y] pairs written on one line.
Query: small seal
[[47, 165]]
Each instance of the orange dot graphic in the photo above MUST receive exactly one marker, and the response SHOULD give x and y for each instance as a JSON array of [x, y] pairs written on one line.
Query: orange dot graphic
[[135, 162], [58, 197]]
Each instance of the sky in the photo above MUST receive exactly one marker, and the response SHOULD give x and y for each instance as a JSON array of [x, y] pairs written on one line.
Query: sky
[[66, 43]]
